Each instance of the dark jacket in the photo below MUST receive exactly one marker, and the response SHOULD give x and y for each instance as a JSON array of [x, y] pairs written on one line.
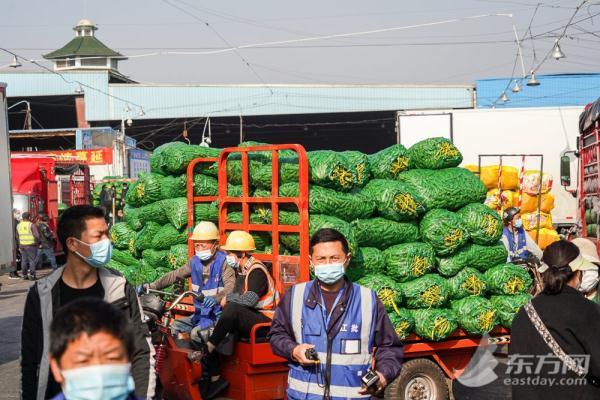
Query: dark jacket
[[46, 235], [388, 358], [574, 322], [41, 305]]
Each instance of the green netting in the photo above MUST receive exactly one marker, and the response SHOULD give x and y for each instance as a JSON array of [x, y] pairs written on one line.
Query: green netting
[[507, 279], [476, 315], [131, 198], [96, 194], [266, 156], [385, 288], [174, 157], [394, 200], [123, 257], [483, 223], [405, 262], [156, 258], [346, 206], [444, 230], [428, 291], [205, 185], [122, 268], [450, 188], [367, 260], [472, 255], [168, 236], [147, 189], [315, 222], [330, 169], [122, 236], [154, 212], [508, 306], [361, 164], [435, 153], [261, 239], [143, 240], [156, 160], [383, 233], [176, 211], [468, 282], [403, 322], [261, 175], [131, 217], [434, 323], [178, 256], [206, 212], [174, 186], [390, 162]]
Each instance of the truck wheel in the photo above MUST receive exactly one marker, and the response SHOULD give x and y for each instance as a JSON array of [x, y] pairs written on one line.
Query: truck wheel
[[419, 379]]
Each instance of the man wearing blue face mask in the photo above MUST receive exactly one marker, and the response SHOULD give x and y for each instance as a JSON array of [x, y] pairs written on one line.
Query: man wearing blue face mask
[[338, 321], [91, 345], [83, 234], [211, 276], [517, 242]]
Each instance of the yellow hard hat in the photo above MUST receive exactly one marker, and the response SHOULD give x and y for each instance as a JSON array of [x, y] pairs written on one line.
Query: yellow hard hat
[[239, 241], [205, 231]]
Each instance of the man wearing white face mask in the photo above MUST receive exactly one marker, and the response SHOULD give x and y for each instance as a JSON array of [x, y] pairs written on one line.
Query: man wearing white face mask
[[83, 234], [91, 345], [517, 242], [341, 322], [210, 275], [589, 277]]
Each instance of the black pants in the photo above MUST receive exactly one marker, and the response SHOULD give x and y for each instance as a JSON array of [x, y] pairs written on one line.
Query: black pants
[[236, 319]]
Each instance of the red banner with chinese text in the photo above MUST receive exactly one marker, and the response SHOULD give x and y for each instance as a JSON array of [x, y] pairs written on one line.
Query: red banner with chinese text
[[101, 156]]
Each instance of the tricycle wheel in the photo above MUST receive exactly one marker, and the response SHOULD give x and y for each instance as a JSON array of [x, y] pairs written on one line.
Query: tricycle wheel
[[419, 379]]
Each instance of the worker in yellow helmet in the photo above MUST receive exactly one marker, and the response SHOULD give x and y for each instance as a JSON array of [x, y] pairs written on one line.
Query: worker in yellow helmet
[[211, 276], [253, 301]]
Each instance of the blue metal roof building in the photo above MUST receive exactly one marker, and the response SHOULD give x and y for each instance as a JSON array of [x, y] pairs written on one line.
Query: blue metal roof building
[[554, 91]]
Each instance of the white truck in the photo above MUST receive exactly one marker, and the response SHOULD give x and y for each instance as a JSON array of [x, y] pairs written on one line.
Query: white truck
[[7, 237], [549, 131]]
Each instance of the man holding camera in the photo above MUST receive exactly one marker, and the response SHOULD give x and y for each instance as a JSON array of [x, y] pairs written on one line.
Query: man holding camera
[[329, 327]]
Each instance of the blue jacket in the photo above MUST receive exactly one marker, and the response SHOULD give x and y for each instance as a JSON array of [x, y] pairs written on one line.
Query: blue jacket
[[205, 317], [61, 396], [517, 243]]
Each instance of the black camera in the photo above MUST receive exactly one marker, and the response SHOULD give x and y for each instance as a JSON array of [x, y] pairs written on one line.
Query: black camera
[[370, 379], [311, 354]]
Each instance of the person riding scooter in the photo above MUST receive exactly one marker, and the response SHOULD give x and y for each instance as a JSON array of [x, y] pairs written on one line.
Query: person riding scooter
[[517, 242], [211, 276]]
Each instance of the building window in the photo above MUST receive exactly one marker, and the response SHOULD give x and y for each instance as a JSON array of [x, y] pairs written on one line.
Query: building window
[[61, 63], [93, 62], [70, 62]]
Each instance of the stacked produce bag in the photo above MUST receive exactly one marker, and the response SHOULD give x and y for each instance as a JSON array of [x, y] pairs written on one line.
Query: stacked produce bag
[[418, 230], [508, 196]]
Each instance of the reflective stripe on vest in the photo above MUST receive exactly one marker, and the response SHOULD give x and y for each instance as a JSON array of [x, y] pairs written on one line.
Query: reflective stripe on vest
[[352, 345], [205, 317], [26, 237], [517, 244], [268, 302]]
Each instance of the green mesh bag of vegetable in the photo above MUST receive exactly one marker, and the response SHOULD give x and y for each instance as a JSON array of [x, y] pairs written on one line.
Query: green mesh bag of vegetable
[[346, 206], [206, 212], [131, 217], [403, 322], [428, 291], [405, 262], [143, 240], [316, 222], [119, 267], [96, 194], [394, 200], [331, 169], [507, 279], [385, 288], [472, 255], [124, 257], [261, 175], [468, 282], [483, 223], [154, 212], [156, 258], [508, 306], [434, 323], [174, 186], [121, 235], [156, 162], [383, 233], [476, 315], [360, 161], [444, 230], [389, 162], [131, 198], [176, 156], [176, 211], [435, 153], [450, 188], [178, 256], [366, 261], [168, 236], [265, 156], [148, 188], [205, 185]]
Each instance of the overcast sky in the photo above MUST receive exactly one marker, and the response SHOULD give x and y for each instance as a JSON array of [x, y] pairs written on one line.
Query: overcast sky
[[457, 52]]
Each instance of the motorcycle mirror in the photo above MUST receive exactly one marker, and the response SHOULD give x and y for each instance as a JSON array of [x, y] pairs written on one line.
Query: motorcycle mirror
[[565, 171]]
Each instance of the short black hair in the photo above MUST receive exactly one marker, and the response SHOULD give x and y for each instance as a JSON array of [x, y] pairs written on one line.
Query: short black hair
[[324, 235], [557, 256], [88, 315], [73, 222], [44, 217], [26, 215]]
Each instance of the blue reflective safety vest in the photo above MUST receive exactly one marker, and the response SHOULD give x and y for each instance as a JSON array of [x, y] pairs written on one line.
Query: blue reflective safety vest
[[205, 317], [517, 244], [352, 345]]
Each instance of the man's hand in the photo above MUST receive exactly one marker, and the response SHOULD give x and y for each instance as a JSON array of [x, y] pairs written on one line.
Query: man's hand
[[376, 390], [223, 301], [142, 289], [299, 354], [209, 302]]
